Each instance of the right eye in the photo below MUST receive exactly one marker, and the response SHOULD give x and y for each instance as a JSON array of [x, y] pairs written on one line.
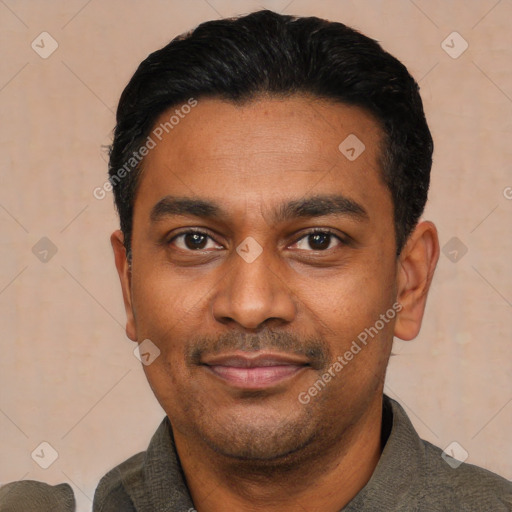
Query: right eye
[[191, 240]]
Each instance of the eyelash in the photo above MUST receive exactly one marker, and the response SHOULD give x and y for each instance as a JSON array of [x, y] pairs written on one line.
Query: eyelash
[[314, 231]]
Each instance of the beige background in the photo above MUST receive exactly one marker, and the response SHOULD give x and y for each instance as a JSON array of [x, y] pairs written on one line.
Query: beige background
[[67, 372]]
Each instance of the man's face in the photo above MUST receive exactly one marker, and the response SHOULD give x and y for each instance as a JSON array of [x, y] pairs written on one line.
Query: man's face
[[255, 280]]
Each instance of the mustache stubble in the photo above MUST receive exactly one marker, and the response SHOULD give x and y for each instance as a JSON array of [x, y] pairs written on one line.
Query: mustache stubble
[[315, 349]]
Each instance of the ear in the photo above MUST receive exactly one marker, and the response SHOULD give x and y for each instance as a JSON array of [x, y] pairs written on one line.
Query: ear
[[125, 275], [416, 266]]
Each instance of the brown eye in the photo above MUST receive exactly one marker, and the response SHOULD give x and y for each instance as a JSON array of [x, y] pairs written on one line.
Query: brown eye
[[195, 240], [318, 241], [191, 240]]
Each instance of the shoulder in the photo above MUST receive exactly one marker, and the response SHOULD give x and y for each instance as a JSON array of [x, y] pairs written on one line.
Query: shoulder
[[32, 495], [463, 486], [111, 494], [133, 484], [424, 478]]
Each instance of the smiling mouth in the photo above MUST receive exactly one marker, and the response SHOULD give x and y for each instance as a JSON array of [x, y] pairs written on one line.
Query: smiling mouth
[[254, 370]]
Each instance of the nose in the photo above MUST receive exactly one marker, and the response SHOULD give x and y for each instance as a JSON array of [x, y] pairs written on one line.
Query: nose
[[252, 293]]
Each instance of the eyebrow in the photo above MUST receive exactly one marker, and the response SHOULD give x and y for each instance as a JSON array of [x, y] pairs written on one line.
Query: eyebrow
[[315, 206]]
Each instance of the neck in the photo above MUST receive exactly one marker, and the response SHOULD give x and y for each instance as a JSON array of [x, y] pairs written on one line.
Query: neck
[[323, 477]]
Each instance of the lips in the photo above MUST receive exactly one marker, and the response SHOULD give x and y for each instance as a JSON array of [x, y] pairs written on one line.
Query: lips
[[254, 370]]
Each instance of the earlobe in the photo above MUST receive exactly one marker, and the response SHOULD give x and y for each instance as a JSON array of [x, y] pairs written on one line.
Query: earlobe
[[416, 266], [124, 272]]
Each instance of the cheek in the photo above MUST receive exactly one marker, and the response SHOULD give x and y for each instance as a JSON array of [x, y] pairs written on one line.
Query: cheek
[[169, 385], [355, 295], [349, 306], [163, 301]]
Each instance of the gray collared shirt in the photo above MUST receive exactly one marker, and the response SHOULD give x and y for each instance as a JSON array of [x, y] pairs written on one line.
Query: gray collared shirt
[[410, 476]]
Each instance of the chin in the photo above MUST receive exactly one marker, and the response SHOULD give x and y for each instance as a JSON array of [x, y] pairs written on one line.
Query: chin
[[258, 437]]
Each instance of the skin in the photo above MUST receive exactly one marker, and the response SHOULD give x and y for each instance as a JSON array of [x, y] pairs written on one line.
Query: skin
[[251, 450]]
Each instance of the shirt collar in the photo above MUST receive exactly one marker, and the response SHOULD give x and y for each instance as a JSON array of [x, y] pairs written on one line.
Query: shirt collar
[[401, 468], [161, 484], [397, 475]]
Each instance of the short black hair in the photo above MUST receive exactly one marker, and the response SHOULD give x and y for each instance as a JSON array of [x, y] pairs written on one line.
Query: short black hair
[[236, 59]]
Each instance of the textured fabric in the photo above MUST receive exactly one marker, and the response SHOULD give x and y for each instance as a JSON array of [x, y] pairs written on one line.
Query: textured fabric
[[150, 481], [411, 476], [33, 496]]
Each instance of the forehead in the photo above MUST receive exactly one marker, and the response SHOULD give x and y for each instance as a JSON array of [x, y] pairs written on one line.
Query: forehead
[[262, 149]]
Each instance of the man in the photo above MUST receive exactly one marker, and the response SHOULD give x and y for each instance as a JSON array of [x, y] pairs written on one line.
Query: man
[[270, 173]]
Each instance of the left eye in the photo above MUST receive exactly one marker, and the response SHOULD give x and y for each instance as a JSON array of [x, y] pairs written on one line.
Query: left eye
[[318, 241]]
